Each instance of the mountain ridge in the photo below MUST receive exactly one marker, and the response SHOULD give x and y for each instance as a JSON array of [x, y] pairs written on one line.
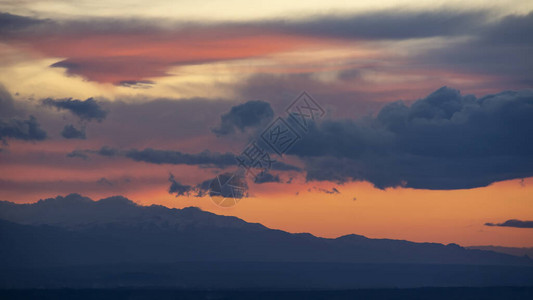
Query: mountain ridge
[[118, 230]]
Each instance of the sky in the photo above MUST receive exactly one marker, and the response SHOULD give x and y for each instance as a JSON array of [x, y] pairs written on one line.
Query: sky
[[403, 119]]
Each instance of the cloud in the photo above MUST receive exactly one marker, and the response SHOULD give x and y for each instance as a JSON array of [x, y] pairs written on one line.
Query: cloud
[[7, 104], [12, 125], [175, 44], [513, 223], [79, 154], [443, 141], [178, 188], [107, 151], [71, 132], [157, 156], [247, 115], [266, 177], [325, 191], [387, 24], [501, 48], [332, 191], [205, 158], [226, 185], [86, 110], [104, 181], [10, 24], [137, 84], [28, 130], [103, 151]]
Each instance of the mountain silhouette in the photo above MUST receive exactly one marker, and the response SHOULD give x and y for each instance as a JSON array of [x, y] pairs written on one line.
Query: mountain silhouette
[[74, 232]]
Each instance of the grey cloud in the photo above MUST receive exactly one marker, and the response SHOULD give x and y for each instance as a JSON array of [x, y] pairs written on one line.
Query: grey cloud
[[202, 188], [178, 188], [157, 156], [492, 45], [385, 24], [28, 130], [266, 177], [501, 48], [205, 158], [227, 185], [332, 191], [86, 110], [243, 116], [71, 132], [444, 141], [104, 181], [513, 223], [78, 154], [349, 74], [325, 191], [10, 23], [135, 84], [107, 151], [12, 125], [7, 104], [104, 151]]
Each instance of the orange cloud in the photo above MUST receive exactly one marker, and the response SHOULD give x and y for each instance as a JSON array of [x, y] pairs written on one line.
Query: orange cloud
[[117, 57]]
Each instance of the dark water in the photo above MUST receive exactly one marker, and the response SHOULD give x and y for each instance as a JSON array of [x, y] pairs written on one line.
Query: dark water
[[421, 293]]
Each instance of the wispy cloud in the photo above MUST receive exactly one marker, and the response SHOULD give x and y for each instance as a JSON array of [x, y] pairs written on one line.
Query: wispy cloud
[[513, 223]]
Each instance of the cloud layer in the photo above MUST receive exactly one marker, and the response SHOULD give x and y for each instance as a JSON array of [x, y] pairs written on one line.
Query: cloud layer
[[443, 141]]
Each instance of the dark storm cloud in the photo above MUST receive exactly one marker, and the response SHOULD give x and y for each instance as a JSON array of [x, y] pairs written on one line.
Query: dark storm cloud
[[178, 188], [513, 223], [247, 115], [266, 177], [86, 110], [71, 132], [444, 141]]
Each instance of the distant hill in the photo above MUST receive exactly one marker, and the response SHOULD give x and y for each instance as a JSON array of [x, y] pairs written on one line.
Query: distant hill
[[73, 232], [516, 251]]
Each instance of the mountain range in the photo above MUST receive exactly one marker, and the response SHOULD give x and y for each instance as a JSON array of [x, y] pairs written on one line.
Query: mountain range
[[114, 242]]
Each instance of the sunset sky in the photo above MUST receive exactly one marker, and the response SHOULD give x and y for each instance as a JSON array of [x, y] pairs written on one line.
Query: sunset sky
[[426, 131]]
